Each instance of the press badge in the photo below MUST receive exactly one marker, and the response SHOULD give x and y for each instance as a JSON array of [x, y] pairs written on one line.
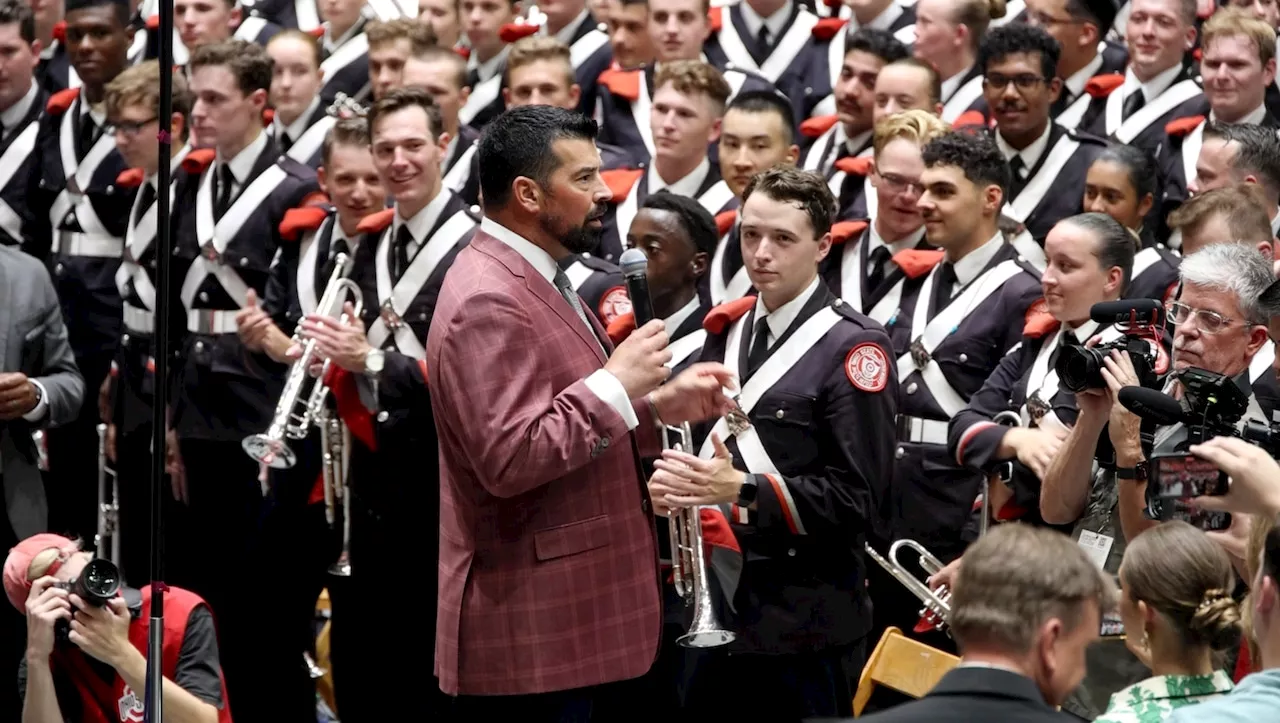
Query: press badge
[[1096, 546]]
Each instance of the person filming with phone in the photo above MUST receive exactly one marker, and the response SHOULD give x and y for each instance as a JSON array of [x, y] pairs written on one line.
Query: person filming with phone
[[87, 641]]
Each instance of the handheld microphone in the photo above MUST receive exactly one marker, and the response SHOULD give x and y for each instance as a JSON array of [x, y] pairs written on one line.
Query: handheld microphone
[[1126, 311], [1150, 404], [634, 267]]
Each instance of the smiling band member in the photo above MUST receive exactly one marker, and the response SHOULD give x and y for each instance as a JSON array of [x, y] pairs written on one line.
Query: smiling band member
[[802, 481]]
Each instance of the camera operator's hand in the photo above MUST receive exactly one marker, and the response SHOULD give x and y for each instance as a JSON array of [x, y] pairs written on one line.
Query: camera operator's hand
[[1125, 427], [1235, 541], [1036, 447], [46, 605], [102, 632], [1255, 477]]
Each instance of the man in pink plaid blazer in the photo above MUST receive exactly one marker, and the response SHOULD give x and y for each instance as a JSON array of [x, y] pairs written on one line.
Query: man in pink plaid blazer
[[549, 581]]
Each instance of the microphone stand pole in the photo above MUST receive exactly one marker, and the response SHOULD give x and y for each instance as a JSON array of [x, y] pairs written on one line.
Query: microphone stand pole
[[154, 698]]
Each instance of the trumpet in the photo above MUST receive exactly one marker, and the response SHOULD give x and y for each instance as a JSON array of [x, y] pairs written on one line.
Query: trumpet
[[937, 603], [689, 564], [314, 671], [108, 509], [294, 416], [333, 469]]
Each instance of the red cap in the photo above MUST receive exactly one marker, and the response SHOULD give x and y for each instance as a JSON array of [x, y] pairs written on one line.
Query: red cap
[[16, 584]]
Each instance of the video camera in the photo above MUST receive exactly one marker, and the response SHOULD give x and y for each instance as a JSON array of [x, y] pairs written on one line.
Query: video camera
[[1080, 368], [97, 584]]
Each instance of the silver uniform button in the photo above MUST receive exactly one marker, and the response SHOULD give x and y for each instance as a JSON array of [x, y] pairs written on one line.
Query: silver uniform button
[[124, 339], [791, 552], [964, 358], [911, 388], [199, 346], [244, 261], [780, 414], [899, 453], [204, 296], [382, 416]]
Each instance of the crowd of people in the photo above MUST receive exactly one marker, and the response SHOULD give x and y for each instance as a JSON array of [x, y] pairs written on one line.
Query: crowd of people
[[635, 341]]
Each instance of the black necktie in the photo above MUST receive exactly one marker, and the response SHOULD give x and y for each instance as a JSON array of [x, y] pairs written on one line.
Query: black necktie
[[336, 247], [1132, 104], [759, 346], [762, 40], [1068, 339], [942, 292], [285, 141], [1016, 181], [148, 198], [473, 77], [875, 267], [225, 183], [404, 237], [88, 131]]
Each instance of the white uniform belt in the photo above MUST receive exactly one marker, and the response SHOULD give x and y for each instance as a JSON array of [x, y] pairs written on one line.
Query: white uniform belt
[[139, 321], [75, 243], [927, 431], [211, 321]]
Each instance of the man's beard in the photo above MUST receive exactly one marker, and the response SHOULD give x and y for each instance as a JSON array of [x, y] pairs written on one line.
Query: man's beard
[[578, 239]]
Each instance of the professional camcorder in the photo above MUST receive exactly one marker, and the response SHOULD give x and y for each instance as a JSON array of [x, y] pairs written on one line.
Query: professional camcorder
[[98, 583], [1080, 368]]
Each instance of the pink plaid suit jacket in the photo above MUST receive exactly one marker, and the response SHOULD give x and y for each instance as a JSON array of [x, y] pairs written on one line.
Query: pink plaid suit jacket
[[549, 575]]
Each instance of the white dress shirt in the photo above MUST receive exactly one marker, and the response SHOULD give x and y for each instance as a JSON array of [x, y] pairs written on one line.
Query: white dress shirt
[[673, 322], [1075, 84], [687, 186], [780, 319], [777, 22], [601, 382], [968, 268], [12, 116], [1030, 155], [490, 67], [952, 84], [1150, 89], [299, 126], [422, 222], [242, 165]]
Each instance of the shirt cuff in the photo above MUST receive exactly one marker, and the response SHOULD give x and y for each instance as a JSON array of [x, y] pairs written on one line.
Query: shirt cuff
[[606, 386], [42, 406]]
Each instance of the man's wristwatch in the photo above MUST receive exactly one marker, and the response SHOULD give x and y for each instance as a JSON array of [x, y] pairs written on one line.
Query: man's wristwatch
[[747, 493], [374, 361], [1138, 472]]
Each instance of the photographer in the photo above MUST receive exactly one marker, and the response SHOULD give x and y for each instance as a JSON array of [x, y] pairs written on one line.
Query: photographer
[[1089, 260], [97, 670]]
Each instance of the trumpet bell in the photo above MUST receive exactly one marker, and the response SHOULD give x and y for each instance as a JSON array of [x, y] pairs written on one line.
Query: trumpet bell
[[341, 568], [272, 452], [705, 638]]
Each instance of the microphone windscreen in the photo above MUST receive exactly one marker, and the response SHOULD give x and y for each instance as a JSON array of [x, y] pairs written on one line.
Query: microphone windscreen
[[1146, 311], [1151, 404], [633, 262]]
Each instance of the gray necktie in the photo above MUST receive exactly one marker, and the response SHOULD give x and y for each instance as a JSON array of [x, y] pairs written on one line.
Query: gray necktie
[[570, 295]]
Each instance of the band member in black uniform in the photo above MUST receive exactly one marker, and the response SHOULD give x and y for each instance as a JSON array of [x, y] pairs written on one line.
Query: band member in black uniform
[[757, 133], [1240, 153], [688, 103], [906, 84], [443, 74], [444, 17], [485, 21], [571, 22], [800, 480], [1047, 163], [861, 268], [1234, 213], [344, 50], [391, 44], [1090, 258], [293, 526], [301, 121], [947, 37], [968, 314], [627, 24], [382, 395], [132, 102], [1079, 27], [78, 218], [229, 204], [21, 102]]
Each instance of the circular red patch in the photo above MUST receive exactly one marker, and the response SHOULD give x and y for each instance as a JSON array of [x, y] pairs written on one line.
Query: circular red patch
[[867, 367], [614, 303]]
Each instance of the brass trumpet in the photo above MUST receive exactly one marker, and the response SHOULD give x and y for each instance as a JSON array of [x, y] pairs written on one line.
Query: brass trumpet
[[937, 603], [689, 564], [108, 509], [293, 416], [334, 470]]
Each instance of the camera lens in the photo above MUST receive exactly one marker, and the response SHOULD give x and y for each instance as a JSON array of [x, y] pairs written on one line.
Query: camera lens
[[1079, 368], [99, 582]]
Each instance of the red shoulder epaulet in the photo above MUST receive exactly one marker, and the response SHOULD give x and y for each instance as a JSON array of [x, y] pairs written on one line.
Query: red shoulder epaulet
[[855, 166], [342, 384], [198, 160], [1197, 54], [511, 32], [131, 178], [62, 101], [298, 221], [719, 318], [622, 83], [268, 116], [1101, 86], [833, 4], [1183, 126], [715, 19], [621, 327], [817, 125], [970, 120], [725, 221], [153, 23], [826, 28], [315, 199], [316, 32], [620, 181], [464, 52], [847, 230], [1038, 322], [917, 262], [60, 31], [376, 222]]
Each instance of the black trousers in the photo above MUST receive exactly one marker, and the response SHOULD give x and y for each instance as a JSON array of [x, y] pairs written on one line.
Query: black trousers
[[595, 704], [72, 479], [777, 688]]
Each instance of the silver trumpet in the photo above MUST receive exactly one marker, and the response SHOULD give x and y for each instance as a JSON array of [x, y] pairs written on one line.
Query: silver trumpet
[[314, 671], [937, 603], [689, 564], [108, 503], [294, 415], [333, 468]]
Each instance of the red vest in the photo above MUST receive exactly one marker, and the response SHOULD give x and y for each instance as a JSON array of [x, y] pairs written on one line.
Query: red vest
[[116, 701]]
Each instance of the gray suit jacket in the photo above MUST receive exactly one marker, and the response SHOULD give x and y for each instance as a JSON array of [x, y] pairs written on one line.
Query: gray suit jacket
[[33, 340]]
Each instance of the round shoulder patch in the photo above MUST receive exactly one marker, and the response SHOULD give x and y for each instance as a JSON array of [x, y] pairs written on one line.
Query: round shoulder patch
[[614, 303], [867, 367]]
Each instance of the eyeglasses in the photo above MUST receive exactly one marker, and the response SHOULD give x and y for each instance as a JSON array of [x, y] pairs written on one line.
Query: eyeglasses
[[899, 184], [1210, 322], [1024, 82], [133, 128]]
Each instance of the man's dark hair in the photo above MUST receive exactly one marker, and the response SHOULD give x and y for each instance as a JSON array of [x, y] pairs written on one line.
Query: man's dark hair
[[877, 42], [410, 97], [19, 12], [247, 61], [345, 132], [1017, 38], [806, 189], [520, 142], [1115, 243], [976, 155], [1140, 168], [1258, 153], [696, 221], [768, 101], [120, 6]]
